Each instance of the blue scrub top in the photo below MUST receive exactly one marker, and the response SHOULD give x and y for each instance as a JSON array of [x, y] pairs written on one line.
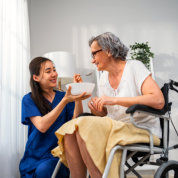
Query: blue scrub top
[[39, 145]]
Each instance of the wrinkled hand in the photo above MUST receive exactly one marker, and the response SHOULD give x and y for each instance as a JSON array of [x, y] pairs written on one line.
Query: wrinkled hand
[[77, 78], [100, 102], [70, 98], [91, 104], [93, 108]]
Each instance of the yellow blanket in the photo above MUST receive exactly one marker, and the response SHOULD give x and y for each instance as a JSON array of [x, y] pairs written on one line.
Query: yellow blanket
[[101, 134]]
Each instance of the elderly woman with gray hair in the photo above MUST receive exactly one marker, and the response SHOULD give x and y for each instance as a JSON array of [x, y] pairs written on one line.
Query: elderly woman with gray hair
[[85, 142]]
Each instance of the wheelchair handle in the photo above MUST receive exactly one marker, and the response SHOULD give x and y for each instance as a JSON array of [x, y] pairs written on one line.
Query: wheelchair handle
[[172, 82], [175, 146], [171, 148]]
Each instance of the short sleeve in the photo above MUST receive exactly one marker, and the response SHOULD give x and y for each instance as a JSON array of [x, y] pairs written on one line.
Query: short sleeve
[[70, 111], [140, 74], [29, 109]]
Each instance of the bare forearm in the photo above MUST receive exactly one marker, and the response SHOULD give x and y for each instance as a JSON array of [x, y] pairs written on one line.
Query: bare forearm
[[44, 123], [148, 100], [78, 108]]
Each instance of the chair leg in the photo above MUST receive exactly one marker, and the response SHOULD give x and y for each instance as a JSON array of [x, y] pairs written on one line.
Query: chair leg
[[88, 175], [56, 169], [122, 164], [108, 165]]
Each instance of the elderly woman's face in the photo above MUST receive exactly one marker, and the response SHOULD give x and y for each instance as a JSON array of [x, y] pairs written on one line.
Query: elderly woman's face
[[99, 57]]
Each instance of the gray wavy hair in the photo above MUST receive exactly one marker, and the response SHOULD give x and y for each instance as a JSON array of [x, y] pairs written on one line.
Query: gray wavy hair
[[109, 42]]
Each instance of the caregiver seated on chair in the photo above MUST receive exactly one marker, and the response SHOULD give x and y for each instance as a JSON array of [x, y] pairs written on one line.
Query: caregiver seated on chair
[[85, 142], [44, 110]]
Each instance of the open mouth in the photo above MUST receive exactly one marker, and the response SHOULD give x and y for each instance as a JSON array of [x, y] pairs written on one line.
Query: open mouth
[[53, 81]]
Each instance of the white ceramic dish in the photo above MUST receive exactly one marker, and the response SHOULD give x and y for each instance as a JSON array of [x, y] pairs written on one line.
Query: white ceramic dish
[[78, 88]]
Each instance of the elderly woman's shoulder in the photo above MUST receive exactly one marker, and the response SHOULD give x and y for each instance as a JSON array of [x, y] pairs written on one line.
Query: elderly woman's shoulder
[[134, 62]]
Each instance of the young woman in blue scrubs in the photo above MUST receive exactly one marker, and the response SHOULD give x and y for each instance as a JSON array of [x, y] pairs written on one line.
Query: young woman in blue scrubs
[[44, 110]]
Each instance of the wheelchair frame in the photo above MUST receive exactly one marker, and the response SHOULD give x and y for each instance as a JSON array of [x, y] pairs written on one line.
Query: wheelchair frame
[[149, 149]]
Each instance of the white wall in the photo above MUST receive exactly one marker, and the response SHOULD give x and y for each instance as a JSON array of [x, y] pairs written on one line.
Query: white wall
[[66, 25]]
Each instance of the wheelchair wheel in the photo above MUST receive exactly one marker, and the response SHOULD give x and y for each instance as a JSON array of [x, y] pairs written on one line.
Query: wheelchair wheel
[[167, 169]]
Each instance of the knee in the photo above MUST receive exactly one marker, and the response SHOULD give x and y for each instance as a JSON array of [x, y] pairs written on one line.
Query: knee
[[42, 172], [79, 139], [45, 169], [69, 141]]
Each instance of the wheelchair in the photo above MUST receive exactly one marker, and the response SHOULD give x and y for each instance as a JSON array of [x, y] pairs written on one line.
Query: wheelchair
[[140, 153]]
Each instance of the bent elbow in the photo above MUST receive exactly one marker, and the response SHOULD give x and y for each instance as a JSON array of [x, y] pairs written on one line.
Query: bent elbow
[[160, 103], [42, 129]]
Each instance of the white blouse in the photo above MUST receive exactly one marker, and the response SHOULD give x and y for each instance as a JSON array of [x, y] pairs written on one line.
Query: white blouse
[[132, 79]]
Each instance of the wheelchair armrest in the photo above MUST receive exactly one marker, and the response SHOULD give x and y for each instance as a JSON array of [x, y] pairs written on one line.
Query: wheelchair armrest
[[142, 108], [151, 111], [139, 107]]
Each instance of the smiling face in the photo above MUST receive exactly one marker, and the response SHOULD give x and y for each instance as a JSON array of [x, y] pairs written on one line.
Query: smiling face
[[48, 75], [100, 57]]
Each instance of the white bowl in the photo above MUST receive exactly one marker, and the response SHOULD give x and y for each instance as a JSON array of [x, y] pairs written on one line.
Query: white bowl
[[78, 88]]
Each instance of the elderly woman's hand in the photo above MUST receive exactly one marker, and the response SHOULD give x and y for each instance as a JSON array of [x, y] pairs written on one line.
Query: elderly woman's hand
[[77, 78], [93, 108], [102, 101], [91, 104]]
